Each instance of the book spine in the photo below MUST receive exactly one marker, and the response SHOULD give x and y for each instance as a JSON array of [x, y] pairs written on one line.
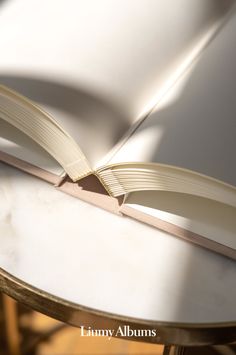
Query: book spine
[[90, 189]]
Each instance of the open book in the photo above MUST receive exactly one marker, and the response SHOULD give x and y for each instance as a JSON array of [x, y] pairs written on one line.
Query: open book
[[160, 145]]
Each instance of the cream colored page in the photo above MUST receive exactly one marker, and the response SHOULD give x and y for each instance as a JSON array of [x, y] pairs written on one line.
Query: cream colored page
[[208, 218], [16, 143], [194, 127], [98, 66]]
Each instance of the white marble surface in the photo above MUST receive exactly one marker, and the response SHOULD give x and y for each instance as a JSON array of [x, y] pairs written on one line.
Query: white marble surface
[[85, 255]]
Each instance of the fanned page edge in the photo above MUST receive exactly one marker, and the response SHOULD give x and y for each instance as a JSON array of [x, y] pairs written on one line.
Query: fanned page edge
[[26, 116], [124, 178]]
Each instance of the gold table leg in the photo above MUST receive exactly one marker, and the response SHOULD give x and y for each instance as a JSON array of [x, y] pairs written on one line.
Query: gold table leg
[[11, 325]]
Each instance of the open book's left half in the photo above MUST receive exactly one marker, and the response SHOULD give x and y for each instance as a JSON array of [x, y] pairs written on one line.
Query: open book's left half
[[24, 116]]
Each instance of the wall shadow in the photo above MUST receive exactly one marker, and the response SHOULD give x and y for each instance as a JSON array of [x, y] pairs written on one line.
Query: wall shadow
[[199, 128]]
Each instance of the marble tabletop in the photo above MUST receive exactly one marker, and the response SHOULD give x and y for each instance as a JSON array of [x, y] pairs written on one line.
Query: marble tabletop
[[91, 257]]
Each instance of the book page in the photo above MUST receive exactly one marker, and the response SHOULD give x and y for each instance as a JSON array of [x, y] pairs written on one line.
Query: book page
[[21, 146], [194, 127], [100, 66]]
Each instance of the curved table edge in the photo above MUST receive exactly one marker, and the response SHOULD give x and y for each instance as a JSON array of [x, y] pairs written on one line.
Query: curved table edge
[[167, 333]]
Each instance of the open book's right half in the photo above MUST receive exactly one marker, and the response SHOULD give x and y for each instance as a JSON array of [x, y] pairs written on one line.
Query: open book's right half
[[187, 143], [185, 150]]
